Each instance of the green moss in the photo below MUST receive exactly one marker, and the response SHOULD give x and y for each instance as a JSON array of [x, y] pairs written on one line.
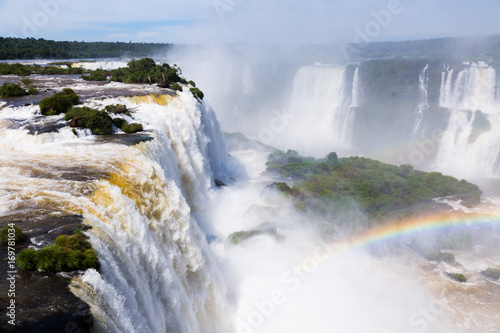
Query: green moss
[[9, 229], [9, 90], [197, 93], [26, 259], [132, 127]]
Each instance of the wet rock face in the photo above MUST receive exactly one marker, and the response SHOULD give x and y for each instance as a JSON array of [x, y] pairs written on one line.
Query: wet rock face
[[43, 301]]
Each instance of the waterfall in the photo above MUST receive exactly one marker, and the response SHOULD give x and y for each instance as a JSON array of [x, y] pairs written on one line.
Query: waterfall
[[423, 100], [473, 87], [470, 144], [320, 106], [142, 201]]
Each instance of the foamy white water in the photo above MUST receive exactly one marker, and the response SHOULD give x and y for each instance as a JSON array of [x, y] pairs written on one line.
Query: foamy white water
[[319, 115], [157, 272]]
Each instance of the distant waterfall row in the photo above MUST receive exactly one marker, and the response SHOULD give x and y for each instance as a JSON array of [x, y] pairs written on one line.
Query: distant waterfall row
[[470, 144]]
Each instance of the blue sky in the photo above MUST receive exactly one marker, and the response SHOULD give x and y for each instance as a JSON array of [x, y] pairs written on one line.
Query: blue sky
[[252, 21]]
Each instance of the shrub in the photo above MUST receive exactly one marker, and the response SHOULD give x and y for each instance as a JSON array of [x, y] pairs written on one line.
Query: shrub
[[97, 75], [132, 127], [459, 277], [32, 91], [117, 108], [8, 90], [59, 103], [492, 273], [54, 105], [27, 81], [91, 260], [197, 93], [99, 122], [75, 242], [18, 234], [52, 259], [68, 253], [192, 84], [119, 122], [26, 259], [176, 87], [75, 99]]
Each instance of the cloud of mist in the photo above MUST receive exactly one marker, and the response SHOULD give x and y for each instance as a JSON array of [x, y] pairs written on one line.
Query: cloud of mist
[[295, 284]]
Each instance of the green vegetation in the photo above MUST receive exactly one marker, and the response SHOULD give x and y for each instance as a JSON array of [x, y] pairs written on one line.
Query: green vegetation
[[439, 256], [8, 90], [24, 70], [264, 229], [379, 190], [458, 277], [99, 122], [147, 71], [176, 87], [59, 103], [97, 75], [69, 253], [131, 128], [197, 93], [492, 273], [18, 233], [31, 48], [116, 109]]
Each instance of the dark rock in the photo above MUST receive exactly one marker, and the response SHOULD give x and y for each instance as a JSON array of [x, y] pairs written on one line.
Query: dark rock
[[219, 183]]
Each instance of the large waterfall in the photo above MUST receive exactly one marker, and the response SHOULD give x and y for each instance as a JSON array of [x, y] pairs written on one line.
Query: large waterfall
[[470, 144], [320, 92], [142, 201]]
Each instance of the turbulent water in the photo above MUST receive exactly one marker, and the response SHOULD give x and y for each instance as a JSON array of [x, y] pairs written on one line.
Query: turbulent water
[[471, 141], [157, 272], [160, 225]]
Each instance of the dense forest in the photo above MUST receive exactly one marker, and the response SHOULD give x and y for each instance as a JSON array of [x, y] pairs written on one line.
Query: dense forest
[[483, 48], [31, 48], [486, 48]]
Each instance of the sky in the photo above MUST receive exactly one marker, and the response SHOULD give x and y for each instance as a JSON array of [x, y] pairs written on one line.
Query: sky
[[247, 21]]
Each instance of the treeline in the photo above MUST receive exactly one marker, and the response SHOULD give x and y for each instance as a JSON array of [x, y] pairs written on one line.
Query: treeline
[[479, 48], [31, 48]]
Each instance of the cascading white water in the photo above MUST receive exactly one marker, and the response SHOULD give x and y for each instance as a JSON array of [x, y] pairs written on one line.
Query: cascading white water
[[320, 107], [423, 100], [472, 89], [470, 145], [157, 272]]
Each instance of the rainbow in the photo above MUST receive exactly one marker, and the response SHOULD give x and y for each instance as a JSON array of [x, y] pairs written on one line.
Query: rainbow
[[395, 229]]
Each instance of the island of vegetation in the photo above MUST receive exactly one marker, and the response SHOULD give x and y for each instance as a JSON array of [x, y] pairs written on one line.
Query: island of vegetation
[[335, 186]]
